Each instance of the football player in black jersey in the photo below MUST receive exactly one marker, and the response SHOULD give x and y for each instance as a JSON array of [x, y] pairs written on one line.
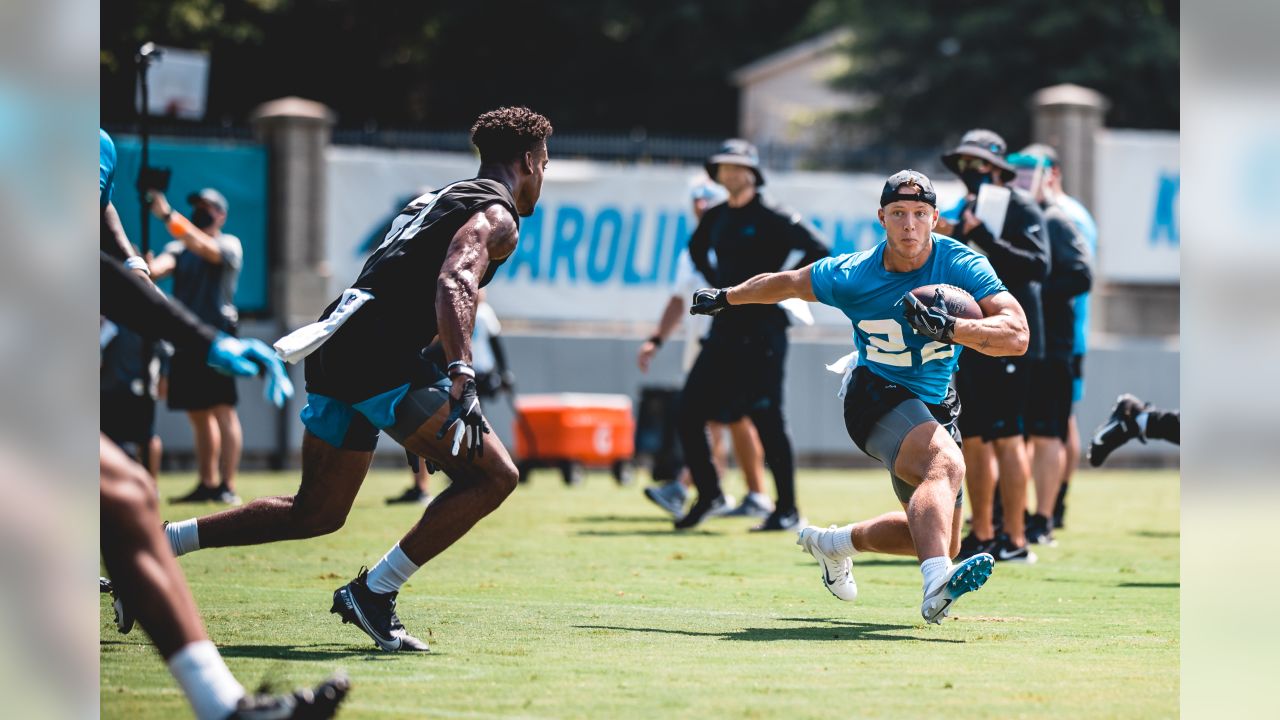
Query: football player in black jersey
[[366, 373]]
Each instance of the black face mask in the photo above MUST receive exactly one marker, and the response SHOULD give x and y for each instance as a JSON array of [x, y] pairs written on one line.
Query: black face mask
[[973, 179], [201, 218]]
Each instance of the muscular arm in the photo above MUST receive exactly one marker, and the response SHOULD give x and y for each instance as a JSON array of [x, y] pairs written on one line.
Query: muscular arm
[[1002, 332], [114, 242], [491, 234], [770, 288], [192, 237]]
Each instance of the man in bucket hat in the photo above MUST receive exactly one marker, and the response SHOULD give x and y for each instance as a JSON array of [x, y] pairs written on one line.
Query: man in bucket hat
[[995, 390], [739, 369]]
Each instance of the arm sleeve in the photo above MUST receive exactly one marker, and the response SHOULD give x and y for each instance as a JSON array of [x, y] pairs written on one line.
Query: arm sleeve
[[1023, 250], [823, 275], [1072, 273], [132, 302], [700, 245]]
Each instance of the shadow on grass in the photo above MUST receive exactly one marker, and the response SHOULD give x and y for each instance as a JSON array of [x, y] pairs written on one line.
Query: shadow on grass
[[1166, 585], [826, 630], [1158, 534], [618, 518], [307, 652], [667, 531]]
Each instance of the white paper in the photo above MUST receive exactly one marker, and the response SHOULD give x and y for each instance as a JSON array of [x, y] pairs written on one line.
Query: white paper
[[993, 205]]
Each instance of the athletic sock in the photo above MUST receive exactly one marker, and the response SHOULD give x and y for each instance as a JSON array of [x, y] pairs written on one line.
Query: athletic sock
[[759, 498], [934, 569], [392, 571], [209, 686], [1141, 421], [841, 542], [183, 536]]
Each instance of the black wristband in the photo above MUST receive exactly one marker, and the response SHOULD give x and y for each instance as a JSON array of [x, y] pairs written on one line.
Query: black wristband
[[656, 340]]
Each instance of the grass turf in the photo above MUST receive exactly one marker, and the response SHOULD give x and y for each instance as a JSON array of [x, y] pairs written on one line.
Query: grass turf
[[582, 603]]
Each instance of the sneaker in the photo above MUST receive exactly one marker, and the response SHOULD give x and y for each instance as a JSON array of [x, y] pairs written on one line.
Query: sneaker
[[413, 496], [837, 572], [202, 493], [964, 577], [1003, 550], [319, 703], [1040, 531], [124, 619], [701, 510], [225, 495], [753, 505], [375, 614], [971, 545], [670, 497], [1119, 429], [778, 520]]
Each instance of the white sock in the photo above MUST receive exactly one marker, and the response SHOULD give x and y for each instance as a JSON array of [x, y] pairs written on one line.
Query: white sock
[[392, 571], [934, 569], [1141, 420], [840, 542], [209, 686], [759, 498], [183, 537]]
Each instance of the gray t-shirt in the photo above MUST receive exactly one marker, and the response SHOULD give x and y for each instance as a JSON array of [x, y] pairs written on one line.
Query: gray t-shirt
[[208, 288]]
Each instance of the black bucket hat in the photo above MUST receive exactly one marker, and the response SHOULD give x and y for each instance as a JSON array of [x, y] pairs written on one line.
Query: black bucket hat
[[736, 151], [982, 144]]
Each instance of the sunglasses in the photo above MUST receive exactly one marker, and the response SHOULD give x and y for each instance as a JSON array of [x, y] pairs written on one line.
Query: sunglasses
[[970, 163]]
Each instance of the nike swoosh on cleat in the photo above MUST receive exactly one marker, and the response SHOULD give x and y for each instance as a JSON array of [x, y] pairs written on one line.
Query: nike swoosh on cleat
[[1009, 555]]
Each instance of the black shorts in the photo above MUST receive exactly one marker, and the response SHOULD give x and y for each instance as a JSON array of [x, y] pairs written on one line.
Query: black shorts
[[994, 391], [127, 419], [870, 397], [193, 385], [736, 375], [1049, 407]]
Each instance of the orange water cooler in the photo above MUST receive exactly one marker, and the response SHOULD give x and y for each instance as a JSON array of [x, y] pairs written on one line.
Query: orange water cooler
[[574, 431]]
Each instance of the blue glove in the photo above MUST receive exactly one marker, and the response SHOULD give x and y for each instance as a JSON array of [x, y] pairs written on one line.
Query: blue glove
[[233, 356]]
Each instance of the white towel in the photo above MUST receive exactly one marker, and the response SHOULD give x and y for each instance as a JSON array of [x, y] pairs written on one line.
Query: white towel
[[844, 366], [307, 339]]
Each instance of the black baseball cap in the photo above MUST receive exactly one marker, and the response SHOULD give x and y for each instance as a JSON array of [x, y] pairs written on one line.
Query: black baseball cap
[[908, 177], [985, 145], [736, 151]]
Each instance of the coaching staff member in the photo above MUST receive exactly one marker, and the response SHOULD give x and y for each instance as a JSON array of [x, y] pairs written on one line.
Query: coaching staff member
[[739, 369]]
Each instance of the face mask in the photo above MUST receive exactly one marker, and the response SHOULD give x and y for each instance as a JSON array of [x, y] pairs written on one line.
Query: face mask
[[201, 218], [973, 179]]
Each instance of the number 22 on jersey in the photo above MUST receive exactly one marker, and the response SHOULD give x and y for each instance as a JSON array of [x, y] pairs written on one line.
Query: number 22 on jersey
[[885, 345]]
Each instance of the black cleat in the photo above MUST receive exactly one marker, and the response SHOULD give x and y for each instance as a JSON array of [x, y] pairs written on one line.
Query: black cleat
[[1005, 551], [701, 510], [781, 520], [971, 545], [124, 619], [225, 495], [202, 493], [413, 496], [375, 614], [1119, 429], [309, 704], [1040, 531]]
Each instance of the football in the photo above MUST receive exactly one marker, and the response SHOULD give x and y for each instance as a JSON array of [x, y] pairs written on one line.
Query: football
[[959, 303]]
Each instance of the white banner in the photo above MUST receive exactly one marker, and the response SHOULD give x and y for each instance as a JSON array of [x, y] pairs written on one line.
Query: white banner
[[1136, 185], [603, 241]]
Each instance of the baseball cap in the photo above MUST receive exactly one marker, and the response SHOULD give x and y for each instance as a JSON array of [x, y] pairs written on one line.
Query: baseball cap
[[211, 196], [908, 177]]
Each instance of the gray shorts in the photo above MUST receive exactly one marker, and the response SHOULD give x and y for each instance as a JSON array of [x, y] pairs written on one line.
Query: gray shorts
[[885, 440]]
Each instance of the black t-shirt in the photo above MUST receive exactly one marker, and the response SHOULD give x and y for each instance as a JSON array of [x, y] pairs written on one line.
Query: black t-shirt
[[1021, 259], [1069, 276], [758, 237], [378, 348]]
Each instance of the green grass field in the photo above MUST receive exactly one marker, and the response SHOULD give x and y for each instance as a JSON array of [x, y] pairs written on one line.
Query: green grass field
[[582, 603]]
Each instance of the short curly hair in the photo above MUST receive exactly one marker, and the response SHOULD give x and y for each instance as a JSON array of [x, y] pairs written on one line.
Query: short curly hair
[[507, 133]]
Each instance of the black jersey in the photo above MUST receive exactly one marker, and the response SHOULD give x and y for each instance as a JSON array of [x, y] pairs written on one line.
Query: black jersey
[[758, 237], [1020, 256], [1069, 276], [378, 348]]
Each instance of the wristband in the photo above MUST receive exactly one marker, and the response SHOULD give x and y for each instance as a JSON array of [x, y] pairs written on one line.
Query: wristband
[[177, 225], [656, 340], [459, 367], [137, 263]]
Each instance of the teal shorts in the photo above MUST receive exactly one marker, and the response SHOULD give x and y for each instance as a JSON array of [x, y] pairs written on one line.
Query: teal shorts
[[355, 426]]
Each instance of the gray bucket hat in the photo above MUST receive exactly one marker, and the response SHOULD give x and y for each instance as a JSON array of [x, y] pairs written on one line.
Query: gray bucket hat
[[983, 144], [736, 151]]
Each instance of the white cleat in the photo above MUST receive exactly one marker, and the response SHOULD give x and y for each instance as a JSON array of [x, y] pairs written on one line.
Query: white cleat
[[837, 572], [965, 577]]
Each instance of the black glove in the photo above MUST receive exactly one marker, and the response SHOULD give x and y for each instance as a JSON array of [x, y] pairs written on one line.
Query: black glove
[[932, 321], [709, 301], [466, 422]]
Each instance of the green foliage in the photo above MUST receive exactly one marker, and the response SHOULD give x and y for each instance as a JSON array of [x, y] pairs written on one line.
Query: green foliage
[[581, 602], [940, 67]]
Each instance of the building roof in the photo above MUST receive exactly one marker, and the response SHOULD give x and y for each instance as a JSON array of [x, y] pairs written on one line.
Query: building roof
[[791, 56]]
